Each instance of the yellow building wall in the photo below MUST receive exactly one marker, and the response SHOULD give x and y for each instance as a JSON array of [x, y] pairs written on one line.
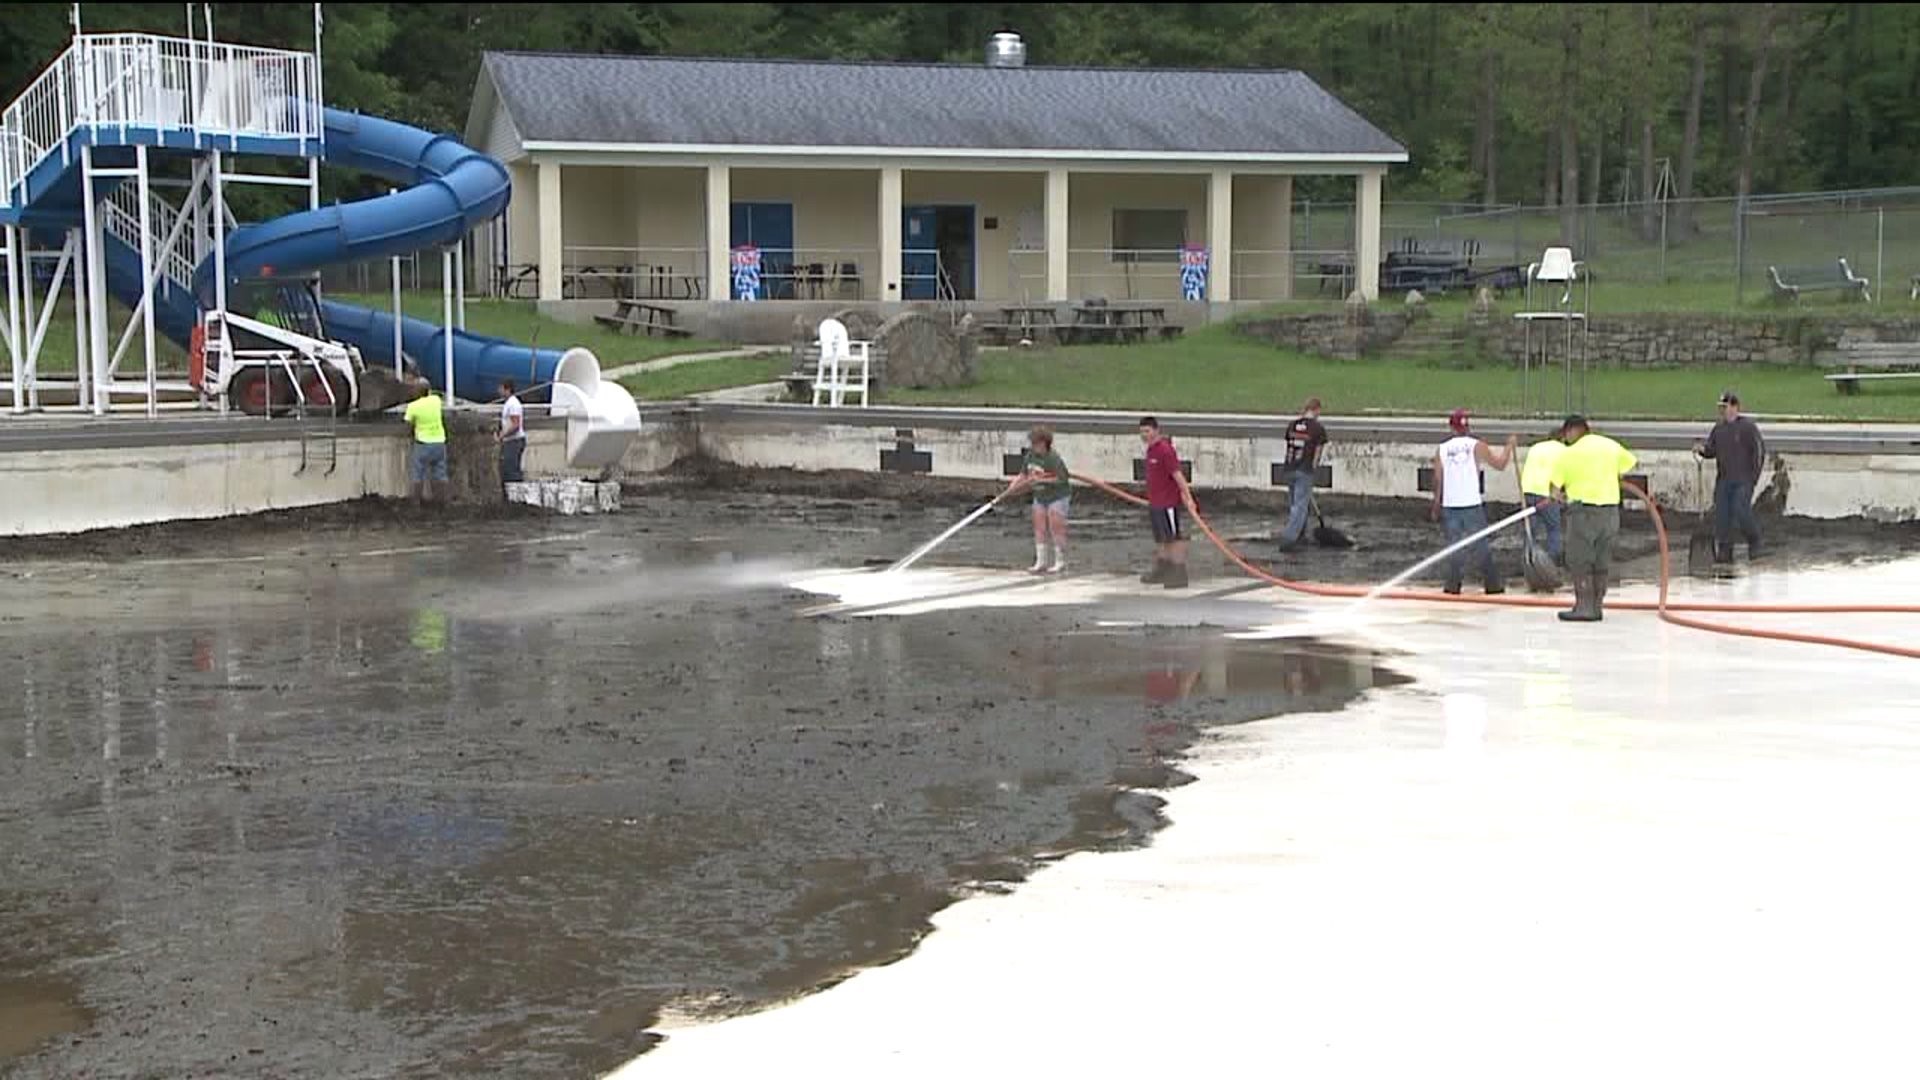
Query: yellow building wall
[[1091, 200], [1262, 237]]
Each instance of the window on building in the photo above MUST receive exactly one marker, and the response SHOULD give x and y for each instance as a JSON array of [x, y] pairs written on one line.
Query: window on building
[[1148, 235]]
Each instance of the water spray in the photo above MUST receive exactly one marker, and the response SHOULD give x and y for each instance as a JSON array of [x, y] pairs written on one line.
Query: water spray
[[1400, 578], [921, 552]]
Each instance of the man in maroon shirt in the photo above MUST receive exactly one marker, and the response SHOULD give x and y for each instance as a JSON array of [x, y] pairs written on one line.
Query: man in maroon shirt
[[1167, 494]]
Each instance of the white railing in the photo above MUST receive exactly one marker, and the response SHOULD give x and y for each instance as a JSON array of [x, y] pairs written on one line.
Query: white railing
[[146, 82], [123, 222]]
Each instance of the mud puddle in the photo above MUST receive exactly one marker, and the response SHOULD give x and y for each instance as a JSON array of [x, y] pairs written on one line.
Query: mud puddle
[[486, 797]]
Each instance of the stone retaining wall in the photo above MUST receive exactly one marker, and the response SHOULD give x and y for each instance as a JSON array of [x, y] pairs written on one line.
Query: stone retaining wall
[[1654, 340]]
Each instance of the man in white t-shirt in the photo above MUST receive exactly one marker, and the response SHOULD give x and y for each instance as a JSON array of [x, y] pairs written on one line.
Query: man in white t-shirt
[[1457, 502], [513, 434]]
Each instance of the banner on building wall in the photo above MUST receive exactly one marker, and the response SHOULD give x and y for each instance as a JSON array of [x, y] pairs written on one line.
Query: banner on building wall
[[746, 272], [1193, 272]]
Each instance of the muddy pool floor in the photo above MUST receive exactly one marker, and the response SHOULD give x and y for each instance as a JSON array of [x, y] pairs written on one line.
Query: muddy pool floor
[[364, 791]]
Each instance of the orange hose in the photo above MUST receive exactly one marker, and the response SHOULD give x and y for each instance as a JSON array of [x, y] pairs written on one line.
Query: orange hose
[[1662, 606]]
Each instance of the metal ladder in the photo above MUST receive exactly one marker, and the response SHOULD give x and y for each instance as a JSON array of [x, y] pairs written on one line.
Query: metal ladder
[[309, 435]]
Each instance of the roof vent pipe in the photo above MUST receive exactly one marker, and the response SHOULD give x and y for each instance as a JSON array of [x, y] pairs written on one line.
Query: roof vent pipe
[[1006, 50]]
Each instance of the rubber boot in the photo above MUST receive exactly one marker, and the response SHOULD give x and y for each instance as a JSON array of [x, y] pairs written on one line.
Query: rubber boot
[[1583, 602], [1176, 576], [1059, 560], [1598, 590], [1155, 575], [1039, 559]]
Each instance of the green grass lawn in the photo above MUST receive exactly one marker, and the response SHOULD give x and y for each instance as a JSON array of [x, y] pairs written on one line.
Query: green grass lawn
[[511, 319], [518, 320], [700, 376], [1211, 370]]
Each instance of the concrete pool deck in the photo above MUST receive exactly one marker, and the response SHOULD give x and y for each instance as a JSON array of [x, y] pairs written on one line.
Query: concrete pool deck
[[1622, 849]]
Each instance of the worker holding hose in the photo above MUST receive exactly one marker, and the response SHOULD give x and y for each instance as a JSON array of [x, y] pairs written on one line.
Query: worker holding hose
[[1587, 477], [1167, 494], [1045, 473], [1457, 502]]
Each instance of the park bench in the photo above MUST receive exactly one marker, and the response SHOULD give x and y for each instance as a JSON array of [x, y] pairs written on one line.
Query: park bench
[[1876, 357], [1790, 283]]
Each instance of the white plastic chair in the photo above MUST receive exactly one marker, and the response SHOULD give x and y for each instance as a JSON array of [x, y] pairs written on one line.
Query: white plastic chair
[[845, 365], [1557, 265]]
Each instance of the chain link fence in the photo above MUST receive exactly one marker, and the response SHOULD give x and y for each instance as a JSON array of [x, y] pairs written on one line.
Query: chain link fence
[[1672, 253]]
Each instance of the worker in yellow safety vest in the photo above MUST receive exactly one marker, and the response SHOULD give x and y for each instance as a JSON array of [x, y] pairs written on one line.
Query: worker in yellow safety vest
[[1536, 484], [1587, 480], [427, 467]]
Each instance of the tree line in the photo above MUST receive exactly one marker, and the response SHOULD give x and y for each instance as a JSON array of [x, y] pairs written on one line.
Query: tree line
[[1549, 104]]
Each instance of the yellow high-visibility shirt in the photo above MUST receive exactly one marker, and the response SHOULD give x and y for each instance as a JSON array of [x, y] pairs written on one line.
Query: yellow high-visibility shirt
[[1590, 470], [424, 414], [1536, 477]]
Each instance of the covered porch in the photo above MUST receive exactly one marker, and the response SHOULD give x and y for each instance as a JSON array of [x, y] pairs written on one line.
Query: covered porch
[[614, 226]]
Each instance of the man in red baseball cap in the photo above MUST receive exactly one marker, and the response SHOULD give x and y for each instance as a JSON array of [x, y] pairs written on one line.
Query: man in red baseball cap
[[1457, 502]]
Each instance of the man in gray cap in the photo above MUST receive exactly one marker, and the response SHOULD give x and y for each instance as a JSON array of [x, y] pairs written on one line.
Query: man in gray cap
[[1739, 453]]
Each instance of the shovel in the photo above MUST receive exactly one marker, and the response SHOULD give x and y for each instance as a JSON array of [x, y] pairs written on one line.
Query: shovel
[[1326, 535], [1542, 575], [1700, 544]]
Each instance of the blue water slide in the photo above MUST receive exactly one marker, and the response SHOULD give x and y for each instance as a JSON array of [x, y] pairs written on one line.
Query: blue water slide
[[450, 189]]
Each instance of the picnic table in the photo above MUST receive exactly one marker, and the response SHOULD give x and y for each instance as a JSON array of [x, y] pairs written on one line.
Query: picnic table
[[1878, 359], [1036, 323], [1122, 325], [1431, 269], [640, 317]]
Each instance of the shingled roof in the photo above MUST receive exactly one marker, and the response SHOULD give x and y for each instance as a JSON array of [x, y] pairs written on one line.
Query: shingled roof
[[781, 104]]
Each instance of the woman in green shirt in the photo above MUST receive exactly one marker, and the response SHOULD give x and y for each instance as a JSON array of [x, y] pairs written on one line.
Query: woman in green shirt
[[1046, 474]]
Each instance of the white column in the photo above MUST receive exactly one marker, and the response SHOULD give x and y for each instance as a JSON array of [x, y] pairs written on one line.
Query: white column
[[1366, 233], [890, 244], [83, 371], [446, 321], [719, 232], [15, 345], [96, 354], [1220, 236], [216, 178], [550, 242], [146, 280], [1058, 259], [1282, 197]]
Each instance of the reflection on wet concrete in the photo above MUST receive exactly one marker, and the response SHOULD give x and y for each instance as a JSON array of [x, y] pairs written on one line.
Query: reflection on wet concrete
[[490, 810]]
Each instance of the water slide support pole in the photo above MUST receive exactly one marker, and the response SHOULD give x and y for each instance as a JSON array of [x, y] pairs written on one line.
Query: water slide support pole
[[146, 278], [13, 317], [395, 262], [95, 356], [446, 315], [219, 185]]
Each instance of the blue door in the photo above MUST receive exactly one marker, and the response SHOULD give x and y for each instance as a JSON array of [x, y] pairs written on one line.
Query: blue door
[[919, 253], [769, 227]]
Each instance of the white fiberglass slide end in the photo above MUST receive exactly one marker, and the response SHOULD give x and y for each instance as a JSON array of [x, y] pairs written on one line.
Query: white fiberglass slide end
[[602, 419]]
